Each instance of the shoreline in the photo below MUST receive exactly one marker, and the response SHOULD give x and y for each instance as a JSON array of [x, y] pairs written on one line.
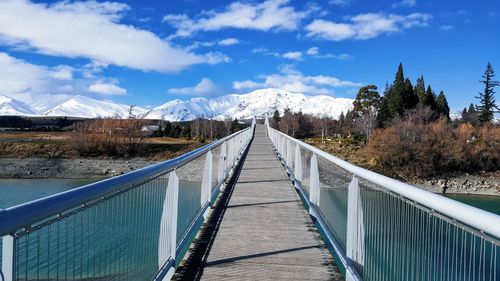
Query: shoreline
[[474, 184], [82, 168], [89, 168]]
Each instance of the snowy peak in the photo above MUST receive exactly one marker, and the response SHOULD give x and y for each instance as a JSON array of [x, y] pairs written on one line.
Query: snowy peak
[[10, 106], [80, 106], [244, 106], [241, 106]]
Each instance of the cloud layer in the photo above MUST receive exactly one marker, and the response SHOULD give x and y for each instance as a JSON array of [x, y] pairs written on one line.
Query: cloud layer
[[268, 15], [294, 81], [204, 88], [91, 30], [365, 26], [33, 83]]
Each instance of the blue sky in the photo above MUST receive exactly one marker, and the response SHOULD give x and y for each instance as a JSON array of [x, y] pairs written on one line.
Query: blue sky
[[149, 52]]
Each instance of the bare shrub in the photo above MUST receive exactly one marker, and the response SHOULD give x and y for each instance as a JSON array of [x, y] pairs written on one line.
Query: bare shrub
[[413, 148], [108, 136]]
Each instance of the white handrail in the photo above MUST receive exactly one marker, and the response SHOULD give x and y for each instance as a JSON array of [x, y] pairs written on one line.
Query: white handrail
[[474, 217]]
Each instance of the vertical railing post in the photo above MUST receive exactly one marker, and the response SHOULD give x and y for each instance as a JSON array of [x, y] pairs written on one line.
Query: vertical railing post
[[229, 154], [221, 175], [314, 190], [8, 249], [355, 228], [283, 148], [167, 243], [298, 163], [289, 159], [206, 181]]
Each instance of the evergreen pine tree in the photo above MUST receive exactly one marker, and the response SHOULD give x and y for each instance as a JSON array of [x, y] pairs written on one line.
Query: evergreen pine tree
[[464, 114], [442, 108], [429, 99], [487, 106], [420, 89], [470, 115], [383, 114], [276, 116], [396, 95], [472, 109], [410, 99]]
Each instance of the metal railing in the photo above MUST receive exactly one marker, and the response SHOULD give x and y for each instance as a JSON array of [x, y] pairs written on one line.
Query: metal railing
[[379, 228], [137, 226]]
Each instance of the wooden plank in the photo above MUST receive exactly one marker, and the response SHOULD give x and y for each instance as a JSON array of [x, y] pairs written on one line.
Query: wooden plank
[[264, 232]]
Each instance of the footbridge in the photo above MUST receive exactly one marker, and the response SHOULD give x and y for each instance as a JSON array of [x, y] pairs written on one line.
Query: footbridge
[[256, 205]]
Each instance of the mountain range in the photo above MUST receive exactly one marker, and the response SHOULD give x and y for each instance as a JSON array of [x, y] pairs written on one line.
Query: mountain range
[[241, 106]]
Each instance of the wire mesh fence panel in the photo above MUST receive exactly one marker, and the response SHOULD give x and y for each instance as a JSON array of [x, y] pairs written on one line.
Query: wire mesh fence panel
[[306, 169], [216, 152], [406, 241], [190, 177], [115, 238], [333, 197]]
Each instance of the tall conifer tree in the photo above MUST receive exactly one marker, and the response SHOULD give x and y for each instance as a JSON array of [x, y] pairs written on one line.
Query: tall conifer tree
[[487, 106], [442, 108]]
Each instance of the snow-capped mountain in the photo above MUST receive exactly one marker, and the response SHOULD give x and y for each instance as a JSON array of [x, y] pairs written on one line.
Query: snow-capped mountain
[[241, 106], [244, 106], [10, 106], [81, 106]]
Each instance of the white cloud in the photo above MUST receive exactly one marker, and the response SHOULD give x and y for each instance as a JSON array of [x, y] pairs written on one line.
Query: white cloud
[[229, 42], [293, 55], [365, 26], [312, 51], [342, 3], [268, 15], [63, 72], [405, 3], [445, 27], [293, 80], [38, 84], [204, 88], [107, 88], [90, 30]]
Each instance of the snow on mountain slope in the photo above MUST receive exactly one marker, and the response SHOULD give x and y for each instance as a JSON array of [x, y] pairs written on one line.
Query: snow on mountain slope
[[80, 106], [178, 110], [241, 106], [10, 106], [244, 106]]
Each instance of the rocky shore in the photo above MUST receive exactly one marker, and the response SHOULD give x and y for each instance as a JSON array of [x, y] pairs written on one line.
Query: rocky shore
[[41, 168], [481, 183]]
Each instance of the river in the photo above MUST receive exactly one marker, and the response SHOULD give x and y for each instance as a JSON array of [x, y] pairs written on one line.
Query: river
[[18, 191]]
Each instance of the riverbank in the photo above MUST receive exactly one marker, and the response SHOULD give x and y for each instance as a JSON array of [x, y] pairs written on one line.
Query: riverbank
[[481, 183], [485, 183], [43, 168]]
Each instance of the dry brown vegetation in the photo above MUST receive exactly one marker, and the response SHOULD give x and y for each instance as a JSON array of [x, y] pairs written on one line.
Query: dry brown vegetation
[[108, 136], [410, 149]]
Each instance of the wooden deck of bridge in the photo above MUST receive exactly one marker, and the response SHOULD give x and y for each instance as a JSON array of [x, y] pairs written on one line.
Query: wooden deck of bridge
[[262, 232]]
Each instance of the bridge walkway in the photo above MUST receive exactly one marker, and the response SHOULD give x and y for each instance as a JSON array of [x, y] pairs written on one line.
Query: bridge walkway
[[263, 231]]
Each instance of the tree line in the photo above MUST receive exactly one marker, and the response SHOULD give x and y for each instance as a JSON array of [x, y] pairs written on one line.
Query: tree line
[[400, 98]]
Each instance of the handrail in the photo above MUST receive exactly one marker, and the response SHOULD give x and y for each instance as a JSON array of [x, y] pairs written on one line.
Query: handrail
[[24, 215], [469, 215]]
